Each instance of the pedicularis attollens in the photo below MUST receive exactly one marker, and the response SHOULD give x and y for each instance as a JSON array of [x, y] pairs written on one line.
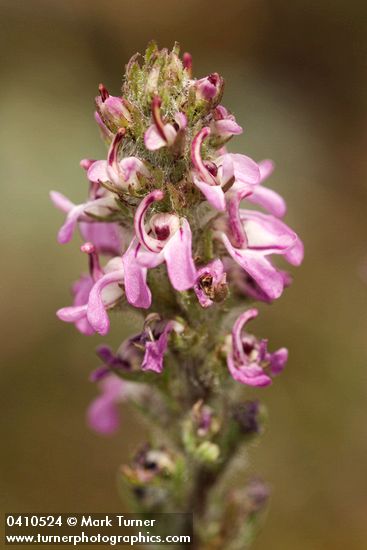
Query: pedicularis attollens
[[169, 228]]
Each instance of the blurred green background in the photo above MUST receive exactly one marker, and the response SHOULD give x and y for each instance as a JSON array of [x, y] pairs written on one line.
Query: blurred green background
[[296, 80]]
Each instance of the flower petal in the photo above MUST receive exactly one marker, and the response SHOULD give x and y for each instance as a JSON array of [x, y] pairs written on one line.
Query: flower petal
[[130, 167], [153, 139], [96, 312], [136, 289], [107, 238], [260, 269], [246, 170], [268, 199], [266, 168], [227, 126], [154, 351], [251, 375], [178, 255], [240, 322], [72, 314], [103, 415], [61, 202], [213, 193], [294, 255], [66, 231], [278, 361], [267, 233], [98, 171]]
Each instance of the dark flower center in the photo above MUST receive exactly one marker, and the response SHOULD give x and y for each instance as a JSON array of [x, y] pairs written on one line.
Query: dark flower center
[[162, 232]]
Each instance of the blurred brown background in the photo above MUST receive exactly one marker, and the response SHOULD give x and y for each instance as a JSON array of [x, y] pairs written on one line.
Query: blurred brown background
[[296, 80]]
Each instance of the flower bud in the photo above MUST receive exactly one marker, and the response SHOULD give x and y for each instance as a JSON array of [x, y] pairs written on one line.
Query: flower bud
[[209, 89], [201, 426], [113, 110], [207, 452]]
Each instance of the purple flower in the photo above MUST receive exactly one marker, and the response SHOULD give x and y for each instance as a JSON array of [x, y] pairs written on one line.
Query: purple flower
[[248, 359], [255, 237], [95, 294], [168, 239], [157, 347], [119, 361], [123, 173], [159, 134], [224, 124], [211, 283]]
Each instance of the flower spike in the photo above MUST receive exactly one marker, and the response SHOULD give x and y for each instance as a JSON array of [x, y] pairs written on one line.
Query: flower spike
[[175, 224]]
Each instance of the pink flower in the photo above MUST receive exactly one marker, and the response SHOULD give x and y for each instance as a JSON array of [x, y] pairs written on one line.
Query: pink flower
[[156, 347], [214, 178], [112, 110], [209, 88], [255, 236], [103, 412], [123, 173], [76, 213], [224, 124], [211, 283], [167, 239], [248, 359], [95, 294], [106, 237], [159, 134], [231, 177]]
